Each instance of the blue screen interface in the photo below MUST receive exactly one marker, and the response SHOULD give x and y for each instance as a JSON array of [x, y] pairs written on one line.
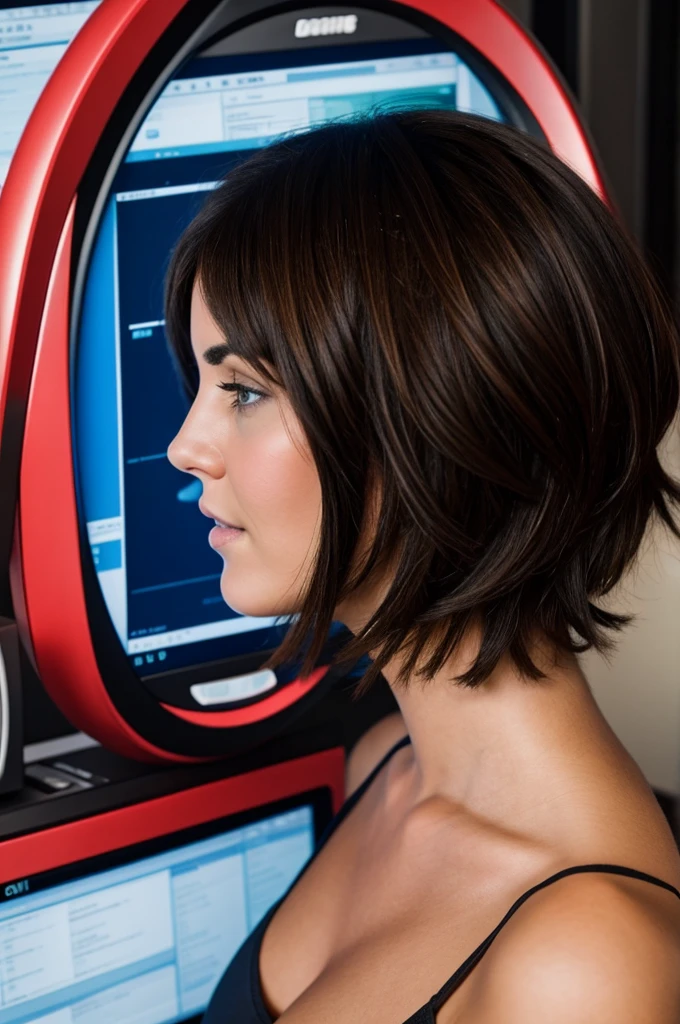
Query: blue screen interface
[[32, 41], [159, 577], [146, 942]]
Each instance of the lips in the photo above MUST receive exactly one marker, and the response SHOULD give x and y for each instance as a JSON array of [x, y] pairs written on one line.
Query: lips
[[219, 522]]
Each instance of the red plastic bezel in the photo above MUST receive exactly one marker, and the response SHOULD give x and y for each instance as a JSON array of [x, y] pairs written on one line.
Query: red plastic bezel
[[112, 830], [35, 217]]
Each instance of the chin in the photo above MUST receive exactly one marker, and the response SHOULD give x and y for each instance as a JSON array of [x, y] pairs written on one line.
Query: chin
[[256, 604]]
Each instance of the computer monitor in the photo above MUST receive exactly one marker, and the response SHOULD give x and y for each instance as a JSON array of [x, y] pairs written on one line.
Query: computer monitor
[[163, 596], [32, 40], [119, 599], [145, 933]]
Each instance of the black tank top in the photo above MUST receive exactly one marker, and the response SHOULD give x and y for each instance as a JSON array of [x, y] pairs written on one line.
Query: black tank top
[[238, 998]]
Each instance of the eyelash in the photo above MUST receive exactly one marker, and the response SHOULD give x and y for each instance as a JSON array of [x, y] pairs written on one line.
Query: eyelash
[[241, 389]]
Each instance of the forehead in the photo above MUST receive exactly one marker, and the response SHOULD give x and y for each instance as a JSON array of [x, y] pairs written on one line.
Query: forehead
[[204, 331]]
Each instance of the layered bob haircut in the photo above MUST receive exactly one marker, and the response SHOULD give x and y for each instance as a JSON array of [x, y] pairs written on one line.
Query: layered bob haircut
[[478, 357]]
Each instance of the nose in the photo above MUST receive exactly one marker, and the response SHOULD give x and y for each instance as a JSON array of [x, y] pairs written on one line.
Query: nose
[[191, 452]]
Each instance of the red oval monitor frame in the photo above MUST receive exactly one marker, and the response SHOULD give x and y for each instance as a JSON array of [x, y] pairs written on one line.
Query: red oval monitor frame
[[36, 218]]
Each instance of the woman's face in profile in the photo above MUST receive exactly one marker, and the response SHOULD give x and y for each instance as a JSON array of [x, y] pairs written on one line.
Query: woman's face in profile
[[246, 446]]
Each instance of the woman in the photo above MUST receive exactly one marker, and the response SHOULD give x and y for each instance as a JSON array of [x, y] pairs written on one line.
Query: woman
[[447, 372]]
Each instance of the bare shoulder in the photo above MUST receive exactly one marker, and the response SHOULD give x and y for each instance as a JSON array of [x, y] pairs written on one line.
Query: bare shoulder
[[592, 948], [371, 747]]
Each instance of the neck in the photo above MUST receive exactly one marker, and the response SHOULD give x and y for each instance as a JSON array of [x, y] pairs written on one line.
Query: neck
[[500, 750], [512, 749]]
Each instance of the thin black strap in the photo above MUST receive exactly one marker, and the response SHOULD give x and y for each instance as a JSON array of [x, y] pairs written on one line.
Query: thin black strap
[[359, 792], [438, 1000], [334, 823], [330, 829]]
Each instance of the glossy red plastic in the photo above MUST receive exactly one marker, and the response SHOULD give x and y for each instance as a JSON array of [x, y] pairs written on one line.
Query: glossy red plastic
[[101, 833], [35, 211]]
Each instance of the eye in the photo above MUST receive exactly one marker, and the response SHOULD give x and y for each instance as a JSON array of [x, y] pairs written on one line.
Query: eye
[[244, 397]]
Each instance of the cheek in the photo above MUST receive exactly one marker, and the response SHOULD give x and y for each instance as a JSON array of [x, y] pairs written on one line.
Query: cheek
[[277, 488]]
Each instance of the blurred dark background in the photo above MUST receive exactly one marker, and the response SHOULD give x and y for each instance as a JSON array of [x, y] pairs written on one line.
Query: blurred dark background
[[620, 60]]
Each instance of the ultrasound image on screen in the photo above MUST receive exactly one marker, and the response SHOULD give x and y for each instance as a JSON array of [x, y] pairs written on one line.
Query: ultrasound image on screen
[[159, 577]]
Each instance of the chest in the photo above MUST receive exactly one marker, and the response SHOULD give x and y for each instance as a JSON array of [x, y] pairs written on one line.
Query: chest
[[378, 924]]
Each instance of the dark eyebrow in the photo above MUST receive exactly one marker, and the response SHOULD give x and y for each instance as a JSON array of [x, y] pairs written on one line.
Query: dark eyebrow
[[216, 354]]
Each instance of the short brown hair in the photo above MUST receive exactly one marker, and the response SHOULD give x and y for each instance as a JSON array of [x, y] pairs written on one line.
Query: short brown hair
[[454, 312]]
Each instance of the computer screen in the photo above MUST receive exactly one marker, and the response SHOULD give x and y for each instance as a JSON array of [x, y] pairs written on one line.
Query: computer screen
[[147, 936], [159, 578], [32, 40]]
